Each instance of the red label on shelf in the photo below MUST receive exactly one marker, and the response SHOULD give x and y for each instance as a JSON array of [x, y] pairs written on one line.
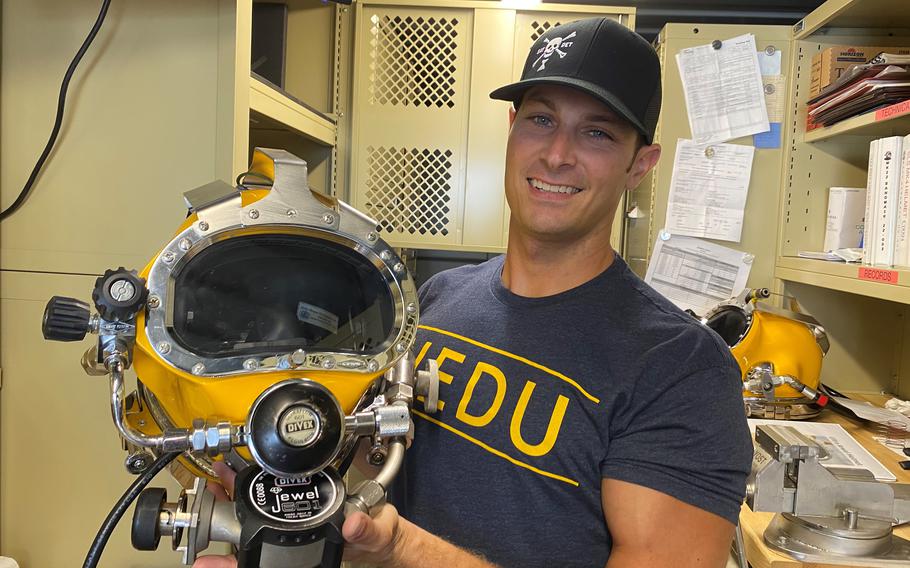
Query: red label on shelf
[[896, 109], [878, 275]]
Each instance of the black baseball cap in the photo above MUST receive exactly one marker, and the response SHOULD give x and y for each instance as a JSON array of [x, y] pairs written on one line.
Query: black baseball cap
[[602, 58]]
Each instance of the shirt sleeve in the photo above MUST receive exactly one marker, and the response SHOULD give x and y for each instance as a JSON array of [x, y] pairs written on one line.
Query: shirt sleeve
[[688, 439]]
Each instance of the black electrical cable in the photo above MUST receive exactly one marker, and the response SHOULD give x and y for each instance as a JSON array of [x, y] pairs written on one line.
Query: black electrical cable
[[61, 101], [104, 533]]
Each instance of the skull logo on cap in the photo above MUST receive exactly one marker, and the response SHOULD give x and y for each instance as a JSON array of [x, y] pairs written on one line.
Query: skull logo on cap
[[555, 45]]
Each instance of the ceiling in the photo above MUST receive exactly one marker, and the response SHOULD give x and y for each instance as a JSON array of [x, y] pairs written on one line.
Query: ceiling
[[651, 15]]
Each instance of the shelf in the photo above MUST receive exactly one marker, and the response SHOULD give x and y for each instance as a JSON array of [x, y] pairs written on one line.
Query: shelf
[[889, 121], [284, 111], [852, 14], [844, 277]]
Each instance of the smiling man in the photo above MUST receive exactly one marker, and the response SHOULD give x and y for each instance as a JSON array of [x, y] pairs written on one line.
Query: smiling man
[[584, 420]]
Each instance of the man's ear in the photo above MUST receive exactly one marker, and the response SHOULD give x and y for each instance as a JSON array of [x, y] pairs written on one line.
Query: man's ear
[[645, 160], [512, 113]]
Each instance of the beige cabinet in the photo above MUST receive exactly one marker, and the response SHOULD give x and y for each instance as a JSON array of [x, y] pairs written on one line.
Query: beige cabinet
[[428, 145], [867, 321]]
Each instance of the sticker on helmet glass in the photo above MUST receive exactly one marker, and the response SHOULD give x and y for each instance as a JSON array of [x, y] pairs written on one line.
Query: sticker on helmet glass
[[292, 498], [313, 315]]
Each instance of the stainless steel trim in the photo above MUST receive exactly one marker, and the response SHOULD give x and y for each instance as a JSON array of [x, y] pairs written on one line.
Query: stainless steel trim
[[223, 218]]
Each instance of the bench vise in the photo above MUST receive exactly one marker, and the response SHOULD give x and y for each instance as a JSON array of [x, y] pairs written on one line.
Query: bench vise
[[831, 515]]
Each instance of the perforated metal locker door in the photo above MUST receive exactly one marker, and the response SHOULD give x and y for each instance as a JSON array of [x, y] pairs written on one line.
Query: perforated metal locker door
[[410, 121]]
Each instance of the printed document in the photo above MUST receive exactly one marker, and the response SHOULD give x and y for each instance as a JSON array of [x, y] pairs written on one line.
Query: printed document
[[839, 448], [708, 190], [775, 97], [723, 90], [697, 275]]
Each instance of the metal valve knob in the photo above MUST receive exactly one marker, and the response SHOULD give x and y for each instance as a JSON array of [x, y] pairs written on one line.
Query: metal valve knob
[[65, 319]]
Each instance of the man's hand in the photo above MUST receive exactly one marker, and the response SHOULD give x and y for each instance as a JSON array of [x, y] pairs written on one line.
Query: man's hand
[[386, 539], [374, 539], [367, 539], [223, 492]]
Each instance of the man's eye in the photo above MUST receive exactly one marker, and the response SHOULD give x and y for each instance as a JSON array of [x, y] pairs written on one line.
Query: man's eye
[[541, 120], [599, 134]]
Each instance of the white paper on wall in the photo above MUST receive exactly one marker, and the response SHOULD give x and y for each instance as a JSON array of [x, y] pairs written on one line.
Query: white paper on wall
[[723, 89], [708, 190]]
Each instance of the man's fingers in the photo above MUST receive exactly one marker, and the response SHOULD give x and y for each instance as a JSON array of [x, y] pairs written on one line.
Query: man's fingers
[[215, 562], [217, 490], [358, 529], [226, 475]]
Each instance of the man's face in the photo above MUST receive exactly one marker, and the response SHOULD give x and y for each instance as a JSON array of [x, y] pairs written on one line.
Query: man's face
[[568, 160]]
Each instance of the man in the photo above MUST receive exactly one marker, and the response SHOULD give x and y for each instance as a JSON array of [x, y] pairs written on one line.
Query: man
[[585, 420]]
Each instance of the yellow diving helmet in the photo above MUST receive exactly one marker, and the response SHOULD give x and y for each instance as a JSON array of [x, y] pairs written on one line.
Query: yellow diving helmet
[[780, 354], [273, 331]]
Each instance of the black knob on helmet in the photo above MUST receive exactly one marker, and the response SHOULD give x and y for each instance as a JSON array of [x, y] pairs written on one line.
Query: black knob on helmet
[[65, 319], [146, 532], [119, 294]]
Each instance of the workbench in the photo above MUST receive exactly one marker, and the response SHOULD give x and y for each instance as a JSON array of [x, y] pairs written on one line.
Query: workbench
[[754, 524]]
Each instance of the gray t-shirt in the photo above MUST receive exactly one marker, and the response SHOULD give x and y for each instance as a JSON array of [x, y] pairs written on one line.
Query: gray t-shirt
[[542, 398]]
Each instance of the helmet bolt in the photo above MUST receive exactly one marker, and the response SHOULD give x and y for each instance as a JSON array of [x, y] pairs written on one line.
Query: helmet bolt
[[298, 357]]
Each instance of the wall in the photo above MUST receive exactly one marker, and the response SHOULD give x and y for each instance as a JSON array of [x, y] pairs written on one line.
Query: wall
[[141, 121]]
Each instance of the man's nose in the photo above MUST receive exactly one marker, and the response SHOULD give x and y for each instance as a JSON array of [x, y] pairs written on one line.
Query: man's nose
[[561, 150]]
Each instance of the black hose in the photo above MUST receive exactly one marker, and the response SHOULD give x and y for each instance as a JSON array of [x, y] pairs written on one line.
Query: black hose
[[61, 102], [104, 533]]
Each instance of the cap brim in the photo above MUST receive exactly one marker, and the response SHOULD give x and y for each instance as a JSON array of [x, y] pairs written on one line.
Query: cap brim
[[514, 92]]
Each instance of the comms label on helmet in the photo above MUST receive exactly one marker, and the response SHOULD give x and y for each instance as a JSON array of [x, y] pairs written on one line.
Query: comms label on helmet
[[314, 315], [292, 499]]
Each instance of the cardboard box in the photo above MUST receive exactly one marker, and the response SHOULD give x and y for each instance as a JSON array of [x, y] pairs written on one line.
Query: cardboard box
[[846, 209], [829, 64]]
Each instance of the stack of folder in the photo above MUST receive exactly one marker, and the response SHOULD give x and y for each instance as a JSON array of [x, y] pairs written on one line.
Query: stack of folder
[[882, 82]]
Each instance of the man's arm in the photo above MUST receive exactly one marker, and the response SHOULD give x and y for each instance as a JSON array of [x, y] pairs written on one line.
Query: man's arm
[[394, 542], [650, 528]]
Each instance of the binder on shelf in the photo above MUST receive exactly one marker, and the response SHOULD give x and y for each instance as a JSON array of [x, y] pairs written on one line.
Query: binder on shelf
[[887, 188], [902, 248], [871, 200]]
